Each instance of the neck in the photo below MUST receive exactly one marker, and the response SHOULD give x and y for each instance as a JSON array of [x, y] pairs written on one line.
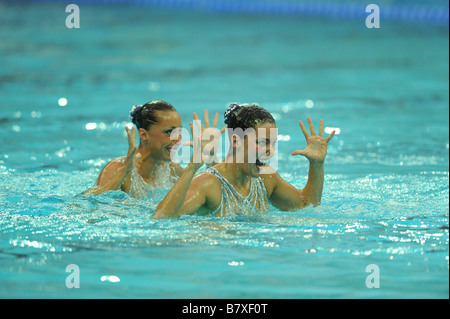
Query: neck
[[234, 173], [147, 165]]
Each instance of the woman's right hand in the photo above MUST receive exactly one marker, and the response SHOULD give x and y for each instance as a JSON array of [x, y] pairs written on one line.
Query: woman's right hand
[[131, 155]]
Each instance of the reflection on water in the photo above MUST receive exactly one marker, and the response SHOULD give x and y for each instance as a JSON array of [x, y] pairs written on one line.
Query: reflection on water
[[65, 103], [392, 220]]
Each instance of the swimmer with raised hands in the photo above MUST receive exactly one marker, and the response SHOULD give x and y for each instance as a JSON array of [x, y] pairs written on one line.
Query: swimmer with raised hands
[[149, 166], [235, 187]]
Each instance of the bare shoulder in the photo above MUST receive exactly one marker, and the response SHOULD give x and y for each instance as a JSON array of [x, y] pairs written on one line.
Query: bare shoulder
[[271, 181], [109, 170], [207, 184], [112, 166], [206, 181]]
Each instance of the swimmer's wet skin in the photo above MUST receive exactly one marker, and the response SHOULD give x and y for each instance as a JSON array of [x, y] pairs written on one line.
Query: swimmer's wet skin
[[148, 167], [206, 193]]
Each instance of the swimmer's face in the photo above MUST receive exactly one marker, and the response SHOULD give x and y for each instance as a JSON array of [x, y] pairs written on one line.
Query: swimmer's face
[[259, 147], [157, 138]]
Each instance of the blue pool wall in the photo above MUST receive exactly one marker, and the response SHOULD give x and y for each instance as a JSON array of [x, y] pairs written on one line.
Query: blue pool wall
[[436, 11]]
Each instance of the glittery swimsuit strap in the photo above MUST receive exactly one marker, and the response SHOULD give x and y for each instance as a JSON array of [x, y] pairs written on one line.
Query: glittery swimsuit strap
[[139, 188], [234, 203]]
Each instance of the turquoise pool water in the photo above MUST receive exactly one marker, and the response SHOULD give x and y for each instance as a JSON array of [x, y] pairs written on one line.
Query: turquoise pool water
[[386, 192]]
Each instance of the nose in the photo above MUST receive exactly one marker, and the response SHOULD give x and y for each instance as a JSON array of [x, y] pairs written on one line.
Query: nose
[[175, 136], [176, 142], [270, 150], [267, 152]]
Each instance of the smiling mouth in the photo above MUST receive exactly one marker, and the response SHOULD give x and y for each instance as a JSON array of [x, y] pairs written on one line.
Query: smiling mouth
[[260, 165], [172, 148]]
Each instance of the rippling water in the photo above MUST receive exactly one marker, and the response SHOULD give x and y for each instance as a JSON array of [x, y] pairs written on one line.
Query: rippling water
[[386, 192], [305, 252]]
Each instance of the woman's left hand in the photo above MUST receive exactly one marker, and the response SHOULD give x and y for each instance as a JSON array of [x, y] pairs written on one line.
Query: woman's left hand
[[316, 145]]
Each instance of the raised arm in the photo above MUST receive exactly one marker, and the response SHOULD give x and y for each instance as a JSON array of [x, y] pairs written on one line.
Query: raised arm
[[285, 196], [177, 202], [114, 173]]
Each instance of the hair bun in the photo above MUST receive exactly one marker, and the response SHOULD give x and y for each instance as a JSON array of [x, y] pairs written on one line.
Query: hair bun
[[233, 107], [134, 113]]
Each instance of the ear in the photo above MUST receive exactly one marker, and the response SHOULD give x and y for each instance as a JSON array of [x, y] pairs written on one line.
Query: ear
[[143, 134]]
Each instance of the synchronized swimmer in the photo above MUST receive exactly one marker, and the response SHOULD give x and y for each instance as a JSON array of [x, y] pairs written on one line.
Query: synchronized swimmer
[[149, 166], [243, 183], [238, 187]]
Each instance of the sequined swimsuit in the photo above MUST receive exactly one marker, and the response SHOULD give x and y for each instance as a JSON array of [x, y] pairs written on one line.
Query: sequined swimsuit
[[234, 203], [139, 188]]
